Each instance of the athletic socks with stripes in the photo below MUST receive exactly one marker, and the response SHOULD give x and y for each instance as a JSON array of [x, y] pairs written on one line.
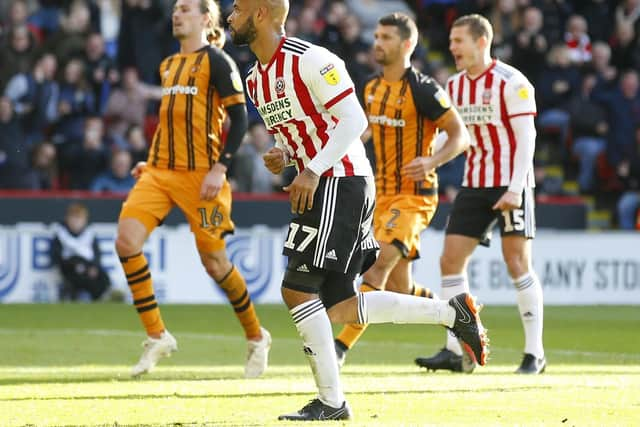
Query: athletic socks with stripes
[[314, 327], [138, 275], [531, 312], [234, 285]]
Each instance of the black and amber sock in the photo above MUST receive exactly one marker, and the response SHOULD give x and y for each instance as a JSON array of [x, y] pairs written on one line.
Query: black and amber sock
[[234, 285], [136, 268], [421, 291], [352, 332]]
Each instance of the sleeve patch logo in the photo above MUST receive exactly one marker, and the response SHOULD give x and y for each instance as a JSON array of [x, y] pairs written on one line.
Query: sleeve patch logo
[[442, 99], [330, 74], [523, 92], [236, 81]]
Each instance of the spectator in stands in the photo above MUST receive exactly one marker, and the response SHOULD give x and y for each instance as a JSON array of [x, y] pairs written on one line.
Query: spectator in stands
[[531, 45], [136, 144], [118, 178], [143, 37], [557, 83], [46, 17], [18, 54], [75, 104], [75, 252], [628, 12], [606, 73], [249, 174], [109, 19], [14, 155], [555, 14], [86, 160], [331, 36], [44, 167], [356, 48], [623, 106], [101, 71], [35, 98], [577, 40], [506, 21], [70, 40], [128, 104], [599, 16], [625, 47], [629, 172], [16, 16], [589, 129]]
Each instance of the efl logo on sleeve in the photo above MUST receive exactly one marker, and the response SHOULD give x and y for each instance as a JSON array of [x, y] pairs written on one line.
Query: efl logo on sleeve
[[236, 81], [330, 74], [442, 99], [523, 92]]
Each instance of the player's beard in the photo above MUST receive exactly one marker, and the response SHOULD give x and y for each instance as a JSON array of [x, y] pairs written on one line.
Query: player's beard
[[245, 34]]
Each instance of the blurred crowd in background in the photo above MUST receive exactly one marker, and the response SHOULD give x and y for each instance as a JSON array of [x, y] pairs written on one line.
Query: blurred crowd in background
[[79, 87]]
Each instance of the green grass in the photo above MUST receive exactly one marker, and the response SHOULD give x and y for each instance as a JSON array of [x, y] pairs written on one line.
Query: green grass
[[68, 365]]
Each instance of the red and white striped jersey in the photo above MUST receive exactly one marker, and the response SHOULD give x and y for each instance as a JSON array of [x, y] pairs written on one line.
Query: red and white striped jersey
[[486, 104], [293, 94]]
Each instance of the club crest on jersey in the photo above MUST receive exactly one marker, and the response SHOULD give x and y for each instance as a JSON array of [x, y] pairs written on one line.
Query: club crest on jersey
[[330, 74], [442, 98], [486, 96], [194, 69], [400, 100], [165, 75], [280, 85]]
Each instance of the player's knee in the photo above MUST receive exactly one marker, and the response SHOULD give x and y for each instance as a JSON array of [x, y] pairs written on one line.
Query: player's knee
[[216, 264], [127, 245], [517, 264]]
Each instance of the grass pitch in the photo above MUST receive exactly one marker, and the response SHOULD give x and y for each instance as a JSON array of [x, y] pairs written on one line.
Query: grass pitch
[[68, 364]]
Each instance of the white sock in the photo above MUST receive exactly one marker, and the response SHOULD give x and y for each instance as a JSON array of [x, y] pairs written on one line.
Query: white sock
[[531, 312], [451, 286], [314, 327], [392, 307]]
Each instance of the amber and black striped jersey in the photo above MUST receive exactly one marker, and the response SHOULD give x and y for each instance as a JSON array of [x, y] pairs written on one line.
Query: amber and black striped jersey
[[196, 89], [401, 116]]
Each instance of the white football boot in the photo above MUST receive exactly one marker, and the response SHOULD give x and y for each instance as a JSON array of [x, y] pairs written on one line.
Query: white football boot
[[154, 349], [257, 355]]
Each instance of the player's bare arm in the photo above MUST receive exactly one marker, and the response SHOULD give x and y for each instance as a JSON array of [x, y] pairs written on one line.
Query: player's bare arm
[[301, 191], [457, 142]]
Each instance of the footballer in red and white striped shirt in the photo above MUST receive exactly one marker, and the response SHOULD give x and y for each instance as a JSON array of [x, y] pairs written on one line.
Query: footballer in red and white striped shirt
[[497, 104]]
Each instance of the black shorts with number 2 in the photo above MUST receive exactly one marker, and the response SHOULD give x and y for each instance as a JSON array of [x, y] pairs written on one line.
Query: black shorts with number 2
[[473, 215]]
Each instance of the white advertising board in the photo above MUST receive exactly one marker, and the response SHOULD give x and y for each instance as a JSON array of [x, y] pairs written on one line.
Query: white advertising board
[[575, 268]]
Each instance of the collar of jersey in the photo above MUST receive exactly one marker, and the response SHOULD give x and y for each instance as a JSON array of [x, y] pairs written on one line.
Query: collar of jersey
[[273, 58], [493, 64]]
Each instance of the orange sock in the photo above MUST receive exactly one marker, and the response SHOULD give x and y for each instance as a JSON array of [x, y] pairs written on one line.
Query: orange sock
[[352, 332], [235, 287], [421, 291], [139, 278]]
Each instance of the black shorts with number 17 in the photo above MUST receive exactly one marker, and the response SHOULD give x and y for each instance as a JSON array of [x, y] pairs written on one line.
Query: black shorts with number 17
[[337, 233], [473, 215]]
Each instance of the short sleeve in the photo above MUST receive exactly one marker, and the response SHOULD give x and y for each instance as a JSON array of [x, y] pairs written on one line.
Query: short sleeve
[[430, 99], [519, 96], [225, 77], [326, 76]]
